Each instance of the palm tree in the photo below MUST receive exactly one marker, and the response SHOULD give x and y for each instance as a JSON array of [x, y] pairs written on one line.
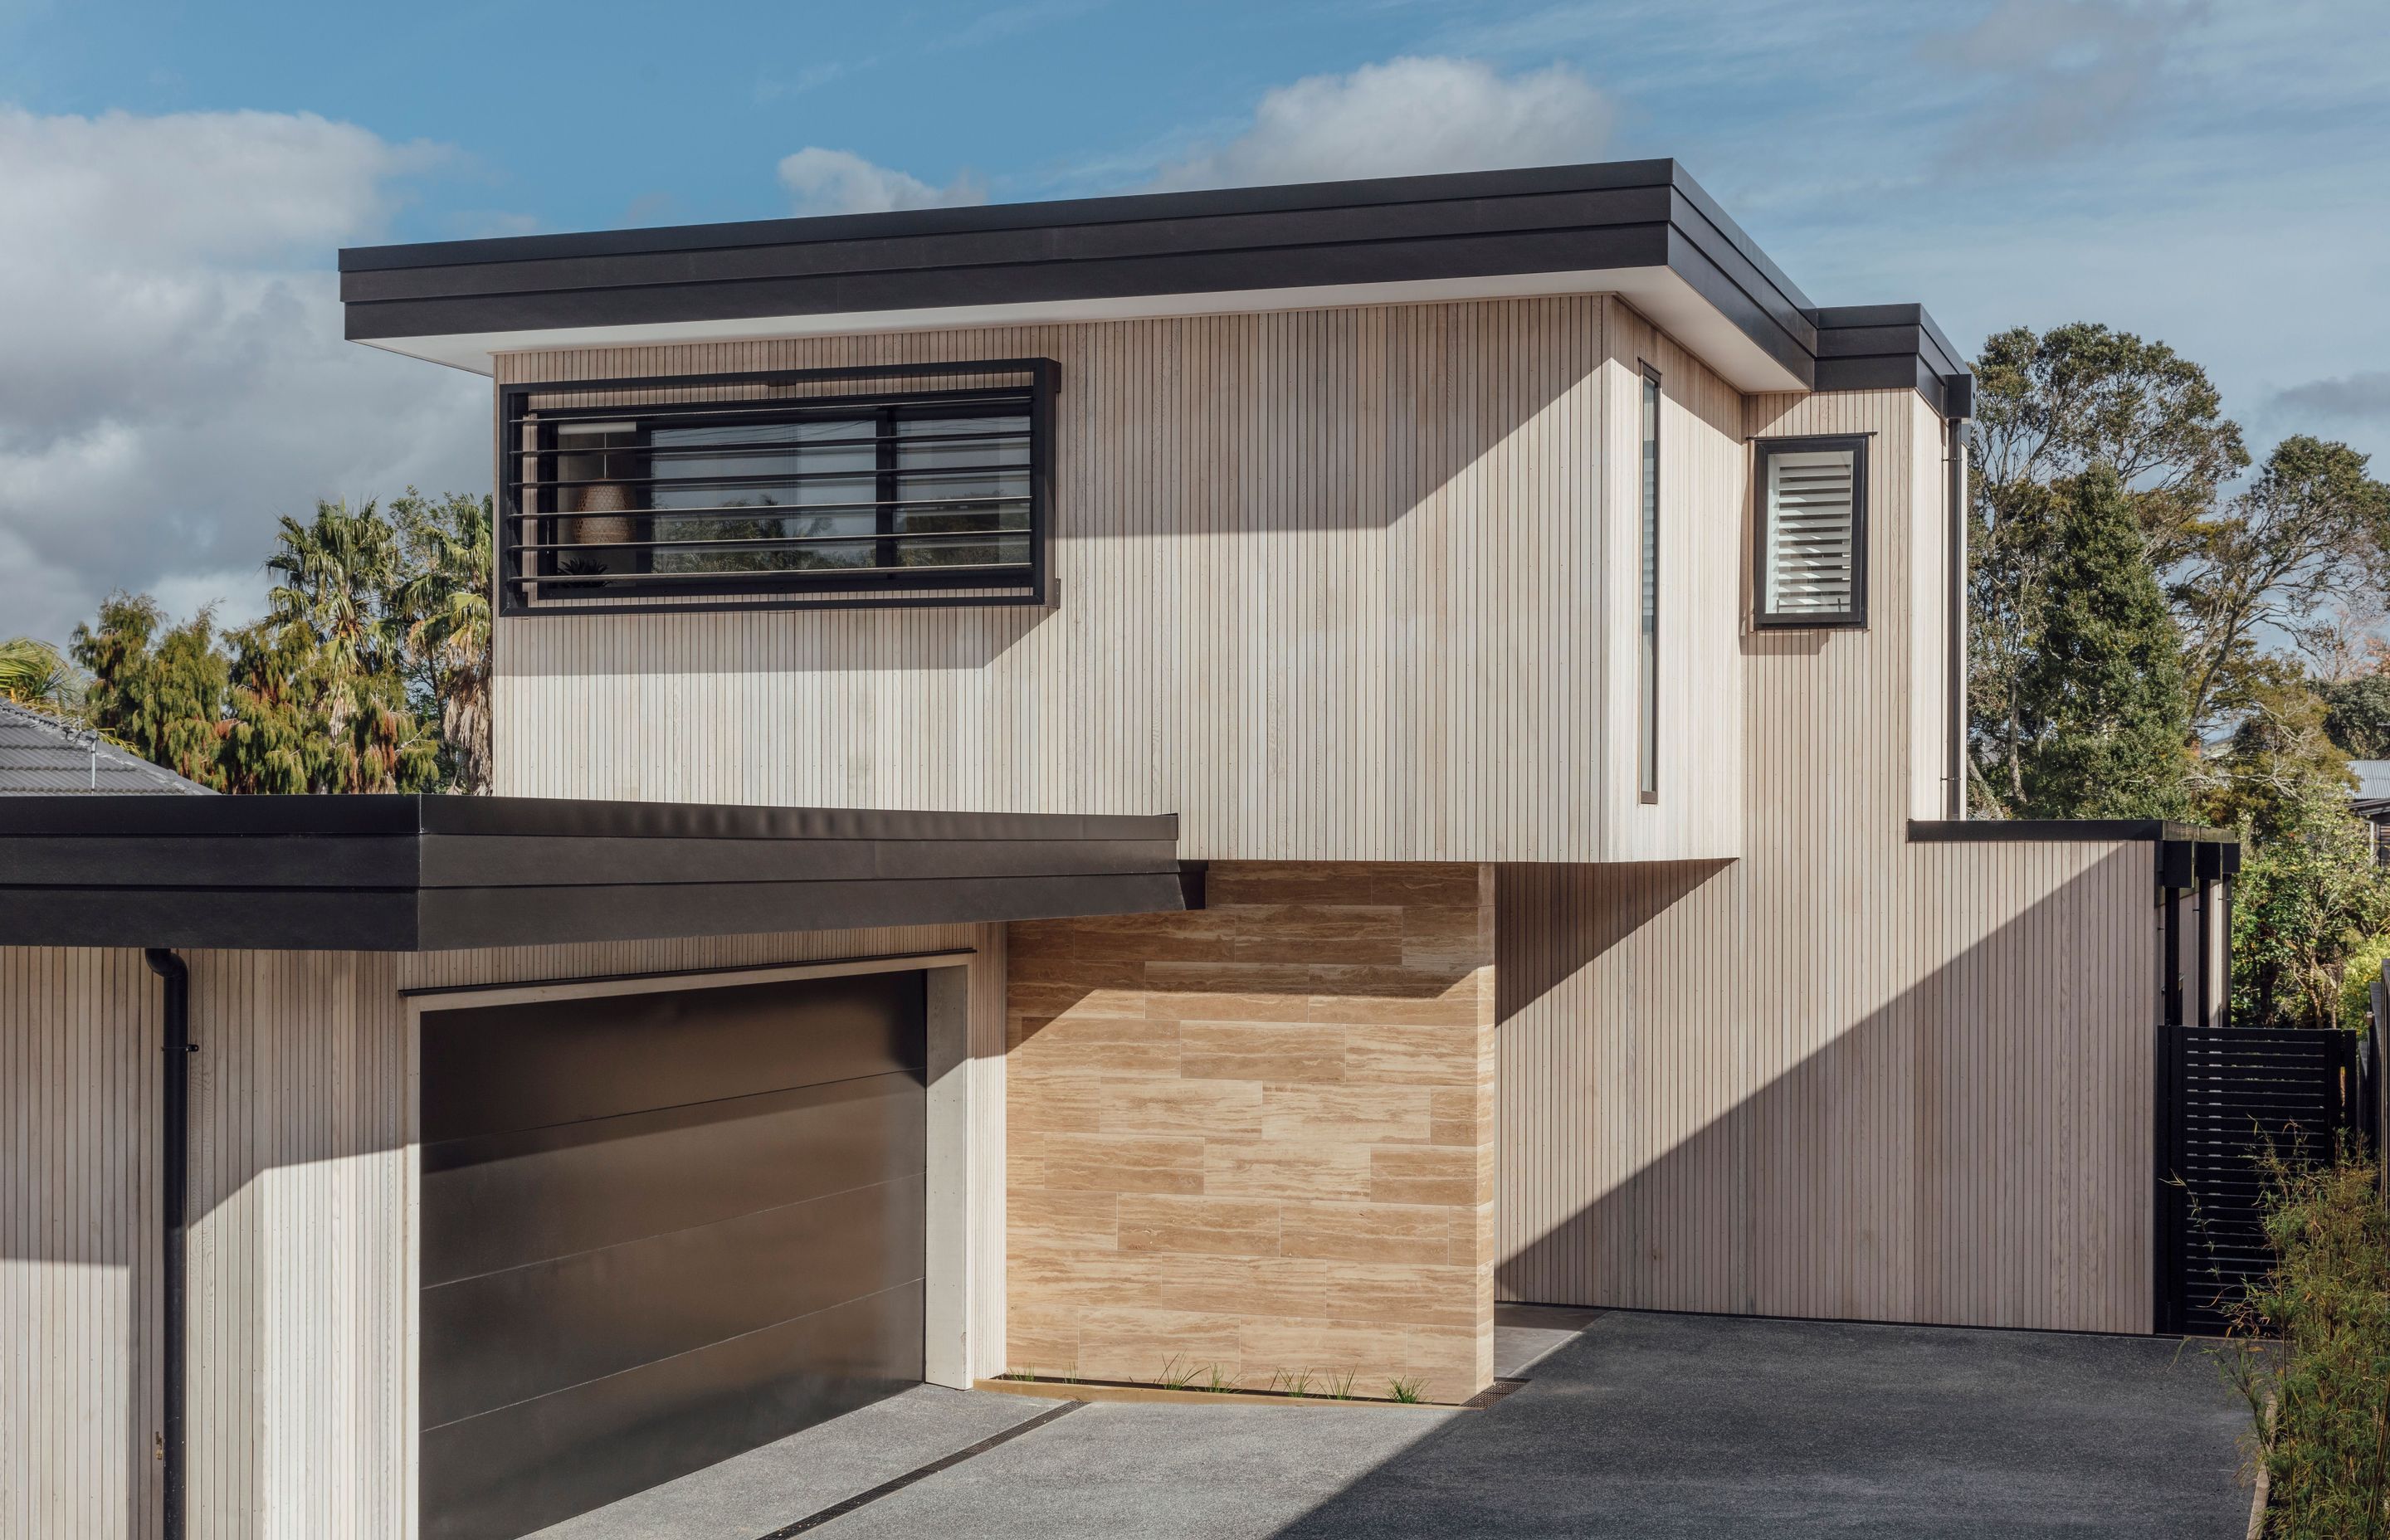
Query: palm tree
[[33, 674], [445, 604], [336, 573]]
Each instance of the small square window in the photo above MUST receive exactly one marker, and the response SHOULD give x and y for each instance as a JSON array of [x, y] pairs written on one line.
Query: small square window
[[1811, 563]]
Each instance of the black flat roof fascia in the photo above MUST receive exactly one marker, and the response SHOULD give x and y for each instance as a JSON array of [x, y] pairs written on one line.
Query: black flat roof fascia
[[404, 874], [1985, 832], [1633, 213], [1892, 347]]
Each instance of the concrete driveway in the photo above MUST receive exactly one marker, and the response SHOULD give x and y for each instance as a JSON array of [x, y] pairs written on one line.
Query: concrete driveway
[[1641, 1425]]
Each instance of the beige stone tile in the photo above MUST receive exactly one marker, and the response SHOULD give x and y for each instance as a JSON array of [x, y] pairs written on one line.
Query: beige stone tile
[[1194, 1005], [1400, 1233], [1024, 1154], [1120, 938], [1344, 1114], [1051, 1104], [1220, 1227], [1058, 969], [1243, 883], [1405, 1293], [1424, 1173], [1291, 934], [1227, 1107], [1408, 1055], [1269, 1170], [1074, 1223], [1028, 1007], [1100, 1045], [1261, 1051], [1455, 1363], [1221, 975], [1328, 1350], [1144, 1345], [1364, 995], [1122, 1162], [1459, 1115], [1083, 1281], [1248, 1285], [1459, 937], [1449, 885], [1040, 1338]]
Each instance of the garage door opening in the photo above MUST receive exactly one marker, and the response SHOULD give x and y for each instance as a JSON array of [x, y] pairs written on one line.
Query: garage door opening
[[659, 1230]]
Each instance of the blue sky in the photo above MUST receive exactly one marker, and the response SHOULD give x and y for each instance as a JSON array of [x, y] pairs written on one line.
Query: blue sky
[[174, 178]]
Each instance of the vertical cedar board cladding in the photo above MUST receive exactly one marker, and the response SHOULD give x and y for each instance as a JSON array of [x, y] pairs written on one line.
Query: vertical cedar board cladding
[[1845, 1075], [1259, 1135], [300, 1274], [1335, 584]]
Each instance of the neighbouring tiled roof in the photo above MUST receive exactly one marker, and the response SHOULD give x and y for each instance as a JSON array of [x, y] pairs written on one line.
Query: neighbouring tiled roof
[[43, 756]]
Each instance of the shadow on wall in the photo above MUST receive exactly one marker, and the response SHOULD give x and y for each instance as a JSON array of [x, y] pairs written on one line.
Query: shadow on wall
[[1972, 1148], [290, 1196], [1538, 958], [1207, 429]]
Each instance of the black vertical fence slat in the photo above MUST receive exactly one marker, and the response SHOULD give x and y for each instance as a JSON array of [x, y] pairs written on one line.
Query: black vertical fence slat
[[2228, 1096]]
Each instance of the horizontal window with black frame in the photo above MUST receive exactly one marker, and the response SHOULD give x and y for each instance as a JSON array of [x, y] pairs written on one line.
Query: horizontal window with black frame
[[1810, 567], [911, 484]]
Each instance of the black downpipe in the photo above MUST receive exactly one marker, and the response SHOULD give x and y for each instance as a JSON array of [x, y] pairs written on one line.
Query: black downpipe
[[176, 1157]]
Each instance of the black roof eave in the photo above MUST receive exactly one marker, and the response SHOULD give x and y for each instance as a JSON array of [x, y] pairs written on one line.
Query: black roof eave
[[408, 874], [1985, 831], [1621, 214]]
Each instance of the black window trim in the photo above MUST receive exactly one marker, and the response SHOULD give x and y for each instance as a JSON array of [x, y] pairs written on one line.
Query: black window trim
[[1647, 754], [811, 590], [1853, 618]]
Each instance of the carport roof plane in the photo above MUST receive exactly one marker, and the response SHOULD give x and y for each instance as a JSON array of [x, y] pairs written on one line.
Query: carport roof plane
[[433, 873]]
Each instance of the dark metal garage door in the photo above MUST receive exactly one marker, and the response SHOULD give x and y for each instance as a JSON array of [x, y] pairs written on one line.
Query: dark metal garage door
[[658, 1230]]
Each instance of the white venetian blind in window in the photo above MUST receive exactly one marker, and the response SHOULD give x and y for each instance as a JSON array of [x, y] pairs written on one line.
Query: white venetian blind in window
[[1812, 562]]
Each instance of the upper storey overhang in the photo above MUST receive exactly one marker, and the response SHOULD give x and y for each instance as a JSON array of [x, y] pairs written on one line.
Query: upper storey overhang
[[1641, 229]]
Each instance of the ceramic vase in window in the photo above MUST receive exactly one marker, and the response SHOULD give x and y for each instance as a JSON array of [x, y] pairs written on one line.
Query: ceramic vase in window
[[601, 516]]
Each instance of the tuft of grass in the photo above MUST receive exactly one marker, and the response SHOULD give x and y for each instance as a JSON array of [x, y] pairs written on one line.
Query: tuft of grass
[[1294, 1382], [1410, 1387], [1028, 1374], [2313, 1341], [1174, 1375], [1340, 1386], [1220, 1378]]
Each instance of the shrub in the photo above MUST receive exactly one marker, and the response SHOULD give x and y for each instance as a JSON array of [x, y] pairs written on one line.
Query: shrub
[[2327, 1300], [2357, 977]]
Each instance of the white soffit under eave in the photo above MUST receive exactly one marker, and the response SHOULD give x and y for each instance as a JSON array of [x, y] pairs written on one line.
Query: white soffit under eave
[[1661, 295]]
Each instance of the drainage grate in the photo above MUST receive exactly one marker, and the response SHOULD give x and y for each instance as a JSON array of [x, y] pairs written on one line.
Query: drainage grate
[[861, 1499]]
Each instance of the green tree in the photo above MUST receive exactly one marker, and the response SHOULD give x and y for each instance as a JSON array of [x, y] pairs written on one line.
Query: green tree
[[158, 690], [2050, 406], [33, 674], [2308, 537], [2357, 716], [2308, 897], [2278, 762], [441, 603], [2094, 717], [320, 698]]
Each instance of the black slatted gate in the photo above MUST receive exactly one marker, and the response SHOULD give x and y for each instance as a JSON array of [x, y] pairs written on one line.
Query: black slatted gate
[[2228, 1094]]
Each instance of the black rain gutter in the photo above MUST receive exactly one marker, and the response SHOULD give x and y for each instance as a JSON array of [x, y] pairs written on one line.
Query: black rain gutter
[[174, 1184]]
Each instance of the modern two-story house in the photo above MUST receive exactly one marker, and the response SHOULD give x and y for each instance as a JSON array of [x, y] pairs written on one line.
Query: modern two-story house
[[1222, 778]]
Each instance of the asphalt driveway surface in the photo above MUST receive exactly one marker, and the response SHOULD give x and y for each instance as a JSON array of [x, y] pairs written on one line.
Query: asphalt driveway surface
[[1641, 1425], [1685, 1426]]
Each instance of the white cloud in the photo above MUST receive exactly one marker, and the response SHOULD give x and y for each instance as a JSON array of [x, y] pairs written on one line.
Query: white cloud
[[1405, 117], [174, 374], [841, 182], [2063, 74]]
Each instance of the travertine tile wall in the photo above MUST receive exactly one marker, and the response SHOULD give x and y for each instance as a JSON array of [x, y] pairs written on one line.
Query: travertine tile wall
[[1259, 1135]]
